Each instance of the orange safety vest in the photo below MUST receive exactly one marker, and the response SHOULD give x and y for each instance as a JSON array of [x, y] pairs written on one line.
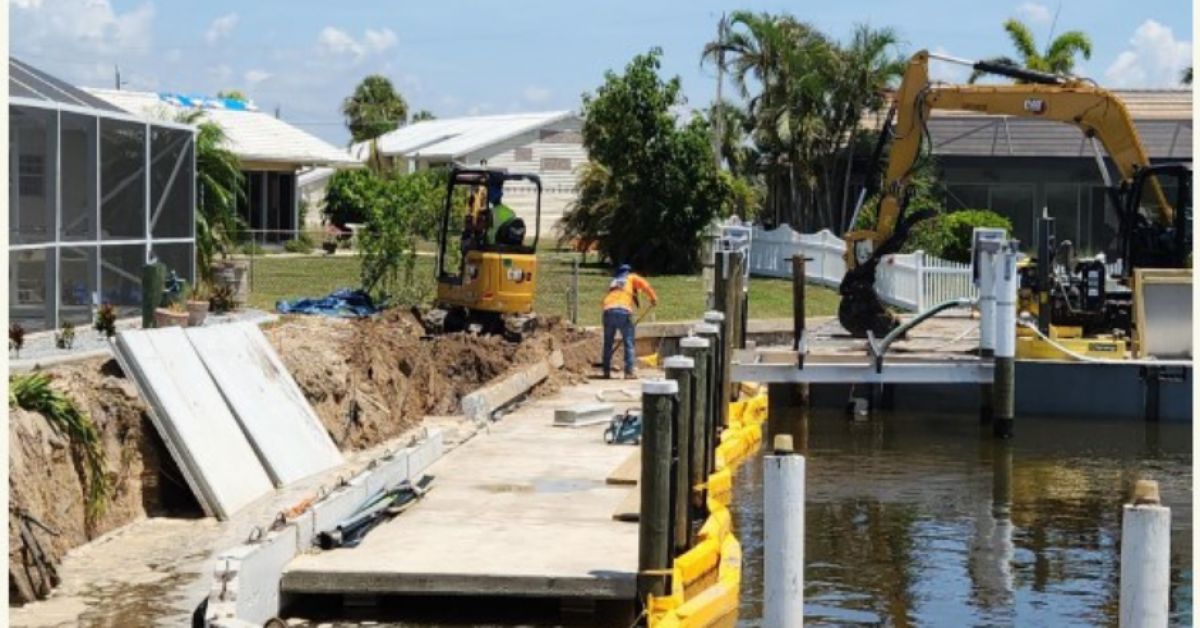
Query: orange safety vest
[[622, 292]]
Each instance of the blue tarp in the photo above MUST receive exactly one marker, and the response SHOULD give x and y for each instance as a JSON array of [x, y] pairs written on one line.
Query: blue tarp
[[342, 303]]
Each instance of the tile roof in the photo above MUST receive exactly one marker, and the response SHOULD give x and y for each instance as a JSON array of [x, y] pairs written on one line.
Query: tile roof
[[253, 135], [454, 137]]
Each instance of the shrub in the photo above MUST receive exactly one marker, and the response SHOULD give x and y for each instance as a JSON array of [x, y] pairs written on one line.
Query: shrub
[[251, 248], [956, 231], [106, 320], [16, 338], [65, 337], [299, 245]]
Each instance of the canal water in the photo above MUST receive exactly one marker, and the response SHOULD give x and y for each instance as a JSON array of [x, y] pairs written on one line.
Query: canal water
[[929, 521], [926, 520]]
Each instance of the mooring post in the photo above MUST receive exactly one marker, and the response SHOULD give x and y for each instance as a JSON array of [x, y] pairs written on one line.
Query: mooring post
[[654, 522], [987, 324], [681, 370], [722, 371], [783, 536], [1145, 559], [697, 349], [799, 316], [712, 405], [1004, 374]]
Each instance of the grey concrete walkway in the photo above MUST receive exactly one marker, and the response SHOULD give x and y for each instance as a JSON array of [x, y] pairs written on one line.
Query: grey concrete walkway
[[522, 509]]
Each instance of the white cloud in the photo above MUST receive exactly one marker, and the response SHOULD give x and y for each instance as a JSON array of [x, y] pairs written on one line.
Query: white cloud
[[535, 94], [336, 42], [254, 77], [88, 29], [221, 28], [221, 73], [1034, 12], [1154, 59], [481, 109]]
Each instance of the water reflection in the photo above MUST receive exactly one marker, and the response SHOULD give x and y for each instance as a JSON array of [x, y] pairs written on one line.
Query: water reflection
[[928, 521]]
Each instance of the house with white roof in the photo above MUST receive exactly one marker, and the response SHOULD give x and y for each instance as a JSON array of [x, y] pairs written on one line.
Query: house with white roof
[[548, 144], [271, 151]]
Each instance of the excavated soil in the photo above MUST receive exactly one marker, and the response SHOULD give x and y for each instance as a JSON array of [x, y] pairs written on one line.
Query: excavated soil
[[368, 380]]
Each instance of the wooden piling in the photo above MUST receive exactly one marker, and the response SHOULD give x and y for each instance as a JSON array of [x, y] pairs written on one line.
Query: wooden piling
[[654, 522], [712, 405], [681, 370], [721, 371], [1004, 378], [697, 349]]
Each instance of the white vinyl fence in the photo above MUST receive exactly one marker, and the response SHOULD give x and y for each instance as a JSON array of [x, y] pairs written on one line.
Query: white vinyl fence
[[913, 281]]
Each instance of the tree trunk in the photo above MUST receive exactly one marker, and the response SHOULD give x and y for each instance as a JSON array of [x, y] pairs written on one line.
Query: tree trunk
[[846, 180]]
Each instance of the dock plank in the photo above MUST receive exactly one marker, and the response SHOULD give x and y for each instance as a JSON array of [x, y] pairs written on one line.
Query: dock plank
[[630, 510], [629, 472]]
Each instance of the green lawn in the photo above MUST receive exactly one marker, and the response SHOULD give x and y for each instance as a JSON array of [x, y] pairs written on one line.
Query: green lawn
[[680, 297]]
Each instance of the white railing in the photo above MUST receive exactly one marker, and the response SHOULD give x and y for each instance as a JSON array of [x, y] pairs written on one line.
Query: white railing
[[913, 281]]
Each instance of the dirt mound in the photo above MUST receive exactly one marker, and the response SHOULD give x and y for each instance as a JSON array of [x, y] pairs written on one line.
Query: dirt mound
[[373, 379], [47, 483]]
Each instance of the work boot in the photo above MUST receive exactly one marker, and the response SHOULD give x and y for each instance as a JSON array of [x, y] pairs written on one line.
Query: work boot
[[631, 375]]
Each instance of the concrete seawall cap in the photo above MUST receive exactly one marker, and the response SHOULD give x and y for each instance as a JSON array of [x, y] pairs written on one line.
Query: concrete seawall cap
[[679, 362], [692, 342], [660, 387]]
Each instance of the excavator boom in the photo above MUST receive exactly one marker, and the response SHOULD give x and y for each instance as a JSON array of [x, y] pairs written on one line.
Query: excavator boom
[[1098, 113]]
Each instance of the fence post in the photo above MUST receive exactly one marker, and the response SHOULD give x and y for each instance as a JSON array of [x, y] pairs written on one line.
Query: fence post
[[783, 536], [575, 291], [920, 268], [1145, 559]]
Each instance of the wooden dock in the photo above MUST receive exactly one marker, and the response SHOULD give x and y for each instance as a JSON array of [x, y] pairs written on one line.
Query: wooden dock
[[522, 509]]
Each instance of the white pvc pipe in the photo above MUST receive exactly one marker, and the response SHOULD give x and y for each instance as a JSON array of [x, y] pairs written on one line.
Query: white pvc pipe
[[987, 302], [783, 541], [1145, 566], [1005, 278]]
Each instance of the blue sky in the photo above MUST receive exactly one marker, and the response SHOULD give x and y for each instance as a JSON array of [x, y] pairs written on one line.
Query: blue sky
[[465, 58]]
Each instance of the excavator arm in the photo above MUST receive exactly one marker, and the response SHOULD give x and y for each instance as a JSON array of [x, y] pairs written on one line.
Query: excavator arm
[[1099, 114]]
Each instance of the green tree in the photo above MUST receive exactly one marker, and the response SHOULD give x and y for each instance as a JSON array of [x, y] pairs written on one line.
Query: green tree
[[1185, 77], [1059, 57], [374, 108], [422, 116], [233, 94], [219, 186], [653, 186]]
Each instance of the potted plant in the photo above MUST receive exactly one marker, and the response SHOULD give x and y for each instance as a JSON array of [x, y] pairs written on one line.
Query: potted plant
[[106, 320], [197, 306], [174, 315]]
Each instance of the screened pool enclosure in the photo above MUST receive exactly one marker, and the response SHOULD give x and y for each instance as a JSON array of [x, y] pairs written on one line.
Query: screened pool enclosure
[[94, 194]]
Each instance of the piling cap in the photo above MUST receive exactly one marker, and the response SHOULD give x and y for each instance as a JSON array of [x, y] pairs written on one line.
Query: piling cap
[[660, 387], [713, 316], [783, 444], [1145, 493], [679, 362], [707, 328], [694, 342]]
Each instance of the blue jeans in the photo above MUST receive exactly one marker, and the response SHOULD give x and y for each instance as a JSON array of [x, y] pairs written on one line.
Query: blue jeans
[[613, 320]]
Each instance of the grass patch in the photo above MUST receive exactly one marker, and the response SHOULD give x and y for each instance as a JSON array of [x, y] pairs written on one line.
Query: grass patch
[[680, 297]]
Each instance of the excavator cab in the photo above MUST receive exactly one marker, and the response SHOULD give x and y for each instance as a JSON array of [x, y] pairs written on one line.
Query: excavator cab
[[1156, 222], [486, 265]]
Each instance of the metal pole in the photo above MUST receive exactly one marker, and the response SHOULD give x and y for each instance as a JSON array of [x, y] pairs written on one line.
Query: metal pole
[[712, 405], [1145, 559], [697, 349], [681, 370], [783, 536], [654, 521], [1004, 377], [1045, 270]]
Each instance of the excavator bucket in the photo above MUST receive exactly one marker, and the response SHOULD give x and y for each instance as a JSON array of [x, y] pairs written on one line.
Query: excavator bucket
[[861, 310]]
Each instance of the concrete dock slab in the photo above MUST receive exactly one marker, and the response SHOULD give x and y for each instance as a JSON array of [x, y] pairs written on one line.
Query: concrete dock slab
[[522, 510]]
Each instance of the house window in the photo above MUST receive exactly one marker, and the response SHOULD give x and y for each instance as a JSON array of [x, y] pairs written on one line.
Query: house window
[[524, 154], [555, 163]]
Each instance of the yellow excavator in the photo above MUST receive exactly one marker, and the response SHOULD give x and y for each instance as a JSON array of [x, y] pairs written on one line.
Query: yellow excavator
[[487, 277], [1155, 231]]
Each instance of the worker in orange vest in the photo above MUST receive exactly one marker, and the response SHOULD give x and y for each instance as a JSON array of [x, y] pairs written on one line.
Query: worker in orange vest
[[620, 302]]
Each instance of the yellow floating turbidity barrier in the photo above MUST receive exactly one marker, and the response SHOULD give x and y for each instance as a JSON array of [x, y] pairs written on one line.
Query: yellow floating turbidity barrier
[[706, 580]]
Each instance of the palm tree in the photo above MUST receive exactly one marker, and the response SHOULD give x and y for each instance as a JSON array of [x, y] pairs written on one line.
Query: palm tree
[[1186, 76], [1058, 58], [374, 108], [219, 186], [422, 116]]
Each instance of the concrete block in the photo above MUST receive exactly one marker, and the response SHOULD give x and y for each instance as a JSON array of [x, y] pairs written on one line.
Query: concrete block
[[338, 506], [480, 404], [250, 577], [425, 453], [583, 414]]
